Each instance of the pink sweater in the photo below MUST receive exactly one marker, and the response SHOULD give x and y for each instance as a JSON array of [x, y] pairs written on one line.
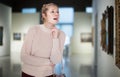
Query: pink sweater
[[40, 50]]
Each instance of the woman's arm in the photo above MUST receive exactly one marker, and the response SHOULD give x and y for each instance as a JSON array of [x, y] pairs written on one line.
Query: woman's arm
[[57, 50], [26, 55]]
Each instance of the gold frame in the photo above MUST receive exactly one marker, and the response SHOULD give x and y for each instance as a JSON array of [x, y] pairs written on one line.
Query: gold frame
[[117, 24], [107, 30], [103, 32]]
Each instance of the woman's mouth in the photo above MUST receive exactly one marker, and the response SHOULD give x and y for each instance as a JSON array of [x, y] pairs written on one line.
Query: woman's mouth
[[55, 18]]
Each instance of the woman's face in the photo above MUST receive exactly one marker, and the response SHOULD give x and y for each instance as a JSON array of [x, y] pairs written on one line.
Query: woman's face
[[52, 15]]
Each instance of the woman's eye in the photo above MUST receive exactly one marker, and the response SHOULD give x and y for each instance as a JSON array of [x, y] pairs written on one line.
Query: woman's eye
[[55, 12], [58, 12], [52, 11]]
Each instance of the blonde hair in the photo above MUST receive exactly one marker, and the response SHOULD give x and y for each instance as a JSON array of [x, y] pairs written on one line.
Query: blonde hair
[[45, 8]]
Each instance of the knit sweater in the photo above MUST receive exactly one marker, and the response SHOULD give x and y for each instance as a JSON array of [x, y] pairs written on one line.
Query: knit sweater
[[40, 51]]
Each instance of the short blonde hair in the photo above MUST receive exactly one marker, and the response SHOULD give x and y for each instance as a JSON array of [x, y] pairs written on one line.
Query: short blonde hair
[[45, 8]]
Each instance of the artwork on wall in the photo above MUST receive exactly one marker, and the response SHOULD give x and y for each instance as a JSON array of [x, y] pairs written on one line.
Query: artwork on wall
[[93, 35], [107, 30], [1, 35], [103, 32], [86, 37], [17, 36], [117, 33], [110, 30]]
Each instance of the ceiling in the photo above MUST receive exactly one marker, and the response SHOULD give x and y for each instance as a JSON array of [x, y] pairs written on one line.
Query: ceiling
[[17, 5]]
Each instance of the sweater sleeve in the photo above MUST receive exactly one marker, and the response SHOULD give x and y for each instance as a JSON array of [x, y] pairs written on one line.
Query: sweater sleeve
[[57, 49], [26, 50]]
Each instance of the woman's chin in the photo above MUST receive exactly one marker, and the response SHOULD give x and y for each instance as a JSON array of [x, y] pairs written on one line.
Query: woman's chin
[[55, 22]]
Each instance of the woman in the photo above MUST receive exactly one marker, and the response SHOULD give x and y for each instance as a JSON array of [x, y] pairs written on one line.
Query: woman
[[43, 45]]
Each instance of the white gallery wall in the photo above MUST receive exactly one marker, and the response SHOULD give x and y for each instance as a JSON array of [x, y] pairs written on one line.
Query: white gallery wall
[[82, 24], [20, 24], [105, 63], [83, 50], [5, 22]]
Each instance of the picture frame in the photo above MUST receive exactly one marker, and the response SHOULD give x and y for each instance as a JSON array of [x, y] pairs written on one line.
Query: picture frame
[[17, 36], [1, 35], [107, 30], [93, 35], [103, 32], [117, 33], [86, 37], [110, 30]]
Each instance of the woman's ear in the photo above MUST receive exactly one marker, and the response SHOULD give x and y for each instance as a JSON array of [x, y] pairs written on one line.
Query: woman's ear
[[43, 16]]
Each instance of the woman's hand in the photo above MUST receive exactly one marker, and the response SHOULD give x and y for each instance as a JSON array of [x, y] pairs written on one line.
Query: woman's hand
[[52, 64], [55, 33]]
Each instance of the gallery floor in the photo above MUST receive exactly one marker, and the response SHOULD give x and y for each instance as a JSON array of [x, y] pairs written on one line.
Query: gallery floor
[[74, 66]]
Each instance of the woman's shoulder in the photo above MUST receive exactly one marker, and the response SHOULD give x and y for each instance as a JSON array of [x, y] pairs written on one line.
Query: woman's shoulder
[[35, 27], [62, 33]]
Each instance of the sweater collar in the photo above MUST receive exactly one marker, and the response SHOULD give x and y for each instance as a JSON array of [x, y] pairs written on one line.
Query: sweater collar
[[44, 28]]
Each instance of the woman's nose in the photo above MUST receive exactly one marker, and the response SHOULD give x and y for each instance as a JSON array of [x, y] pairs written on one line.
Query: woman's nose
[[56, 14]]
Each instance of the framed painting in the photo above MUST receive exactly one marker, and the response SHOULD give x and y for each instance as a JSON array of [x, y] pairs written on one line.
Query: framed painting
[[1, 35], [107, 30], [86, 37], [17, 36], [110, 30], [103, 32], [117, 33]]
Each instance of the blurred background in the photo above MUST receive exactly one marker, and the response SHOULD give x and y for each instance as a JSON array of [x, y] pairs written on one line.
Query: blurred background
[[79, 19]]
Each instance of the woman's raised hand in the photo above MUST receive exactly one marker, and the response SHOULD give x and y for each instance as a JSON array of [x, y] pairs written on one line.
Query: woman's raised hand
[[55, 33]]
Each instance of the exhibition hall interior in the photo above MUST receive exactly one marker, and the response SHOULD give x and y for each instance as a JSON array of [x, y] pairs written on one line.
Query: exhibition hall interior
[[92, 32]]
